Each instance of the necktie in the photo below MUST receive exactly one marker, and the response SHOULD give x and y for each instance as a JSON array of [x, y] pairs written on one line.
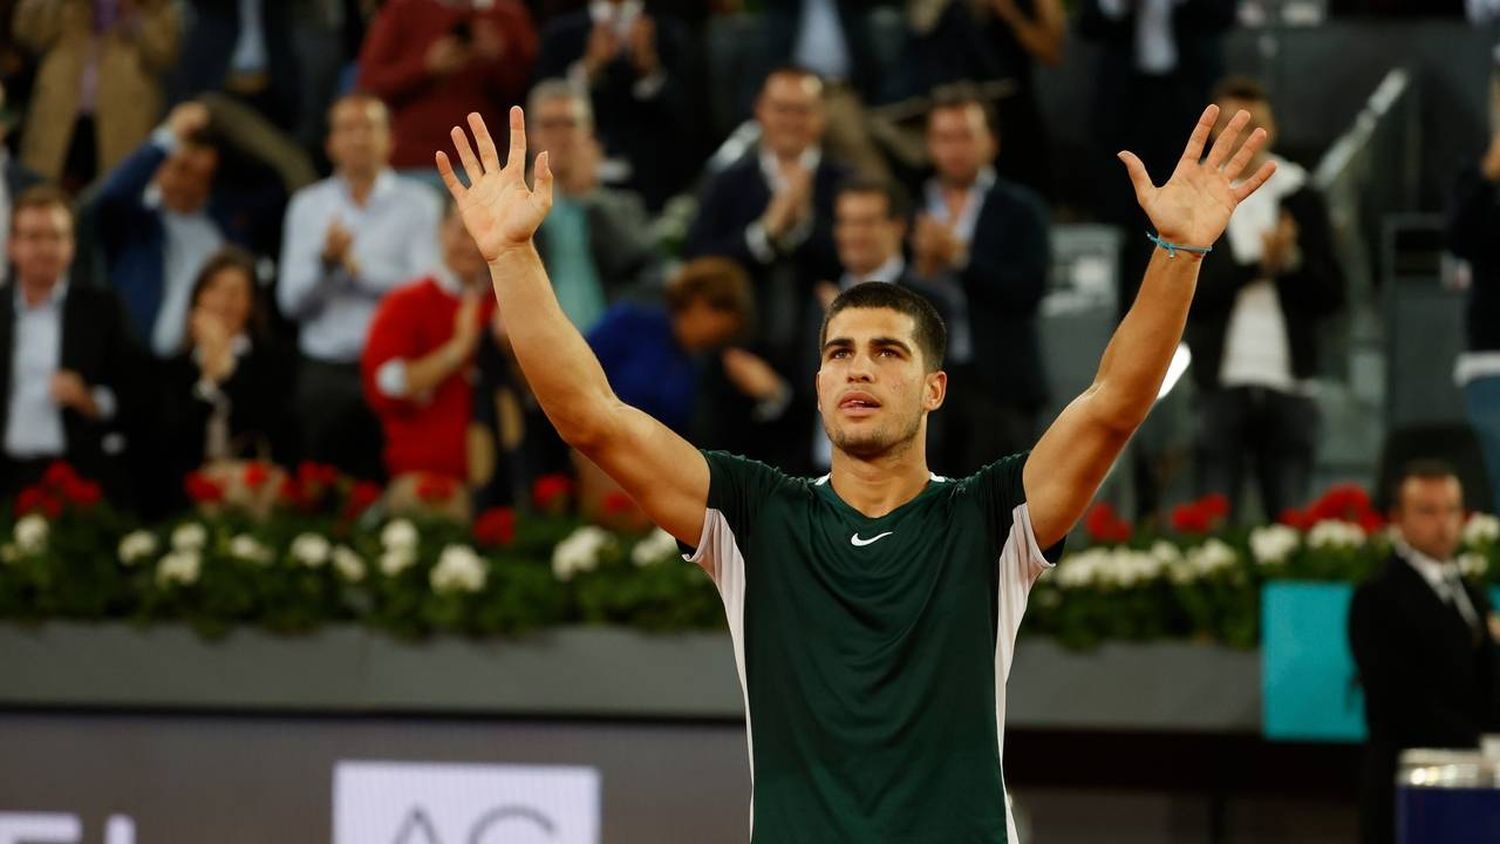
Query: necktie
[[1459, 599]]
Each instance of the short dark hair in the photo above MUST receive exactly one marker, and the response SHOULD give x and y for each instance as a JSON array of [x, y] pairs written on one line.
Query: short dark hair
[[1239, 87], [40, 196], [931, 334], [720, 283], [898, 201], [1427, 469], [798, 71], [960, 95]]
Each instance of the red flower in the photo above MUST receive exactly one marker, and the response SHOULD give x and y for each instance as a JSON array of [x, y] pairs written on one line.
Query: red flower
[[51, 507], [1371, 522], [290, 492], [311, 474], [256, 474], [1215, 505], [361, 496], [435, 489], [617, 503], [1104, 524], [1294, 518], [201, 489], [29, 500], [496, 526], [551, 492], [82, 493], [1345, 502], [59, 475], [1191, 518]]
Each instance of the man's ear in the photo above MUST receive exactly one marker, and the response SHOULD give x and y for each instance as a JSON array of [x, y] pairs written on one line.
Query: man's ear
[[936, 391]]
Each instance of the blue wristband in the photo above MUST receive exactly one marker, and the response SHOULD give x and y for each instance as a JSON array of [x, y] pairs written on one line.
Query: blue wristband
[[1174, 248]]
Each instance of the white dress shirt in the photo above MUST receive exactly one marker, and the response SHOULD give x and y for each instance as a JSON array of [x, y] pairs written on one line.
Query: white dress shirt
[[34, 422], [756, 236], [947, 285], [189, 241], [1445, 580], [395, 241], [821, 44]]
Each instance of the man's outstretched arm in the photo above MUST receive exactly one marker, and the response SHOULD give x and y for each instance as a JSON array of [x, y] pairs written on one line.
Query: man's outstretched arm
[[665, 475], [1192, 208]]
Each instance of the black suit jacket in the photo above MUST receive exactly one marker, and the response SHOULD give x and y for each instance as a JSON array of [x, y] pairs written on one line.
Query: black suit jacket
[[1426, 682], [96, 344], [1309, 293]]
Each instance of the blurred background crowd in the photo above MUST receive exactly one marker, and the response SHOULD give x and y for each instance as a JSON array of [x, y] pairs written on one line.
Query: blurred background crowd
[[227, 241]]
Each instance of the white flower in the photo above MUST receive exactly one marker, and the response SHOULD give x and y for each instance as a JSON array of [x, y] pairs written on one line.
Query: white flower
[[399, 534], [1166, 551], [1473, 564], [397, 560], [136, 546], [1273, 544], [1482, 529], [31, 533], [189, 537], [579, 552], [1079, 571], [458, 569], [310, 550], [1332, 533], [9, 553], [348, 564], [654, 548], [251, 550], [179, 567]]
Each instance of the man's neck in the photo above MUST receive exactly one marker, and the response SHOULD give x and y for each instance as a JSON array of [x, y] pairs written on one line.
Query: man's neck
[[361, 184], [879, 485], [36, 292]]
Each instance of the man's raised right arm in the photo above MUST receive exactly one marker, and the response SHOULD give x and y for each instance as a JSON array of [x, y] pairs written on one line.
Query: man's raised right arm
[[665, 475]]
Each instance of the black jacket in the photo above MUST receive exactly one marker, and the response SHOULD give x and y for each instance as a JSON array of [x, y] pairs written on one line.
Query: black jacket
[[1474, 235], [1314, 290], [96, 344]]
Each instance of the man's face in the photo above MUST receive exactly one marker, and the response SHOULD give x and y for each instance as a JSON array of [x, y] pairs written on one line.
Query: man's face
[[874, 391], [559, 128], [1260, 118], [41, 244], [960, 143], [359, 135], [1430, 515], [790, 113], [864, 232], [187, 177], [460, 253]]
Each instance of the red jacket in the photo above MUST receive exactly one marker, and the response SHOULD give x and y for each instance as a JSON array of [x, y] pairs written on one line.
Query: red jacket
[[424, 433], [393, 66]]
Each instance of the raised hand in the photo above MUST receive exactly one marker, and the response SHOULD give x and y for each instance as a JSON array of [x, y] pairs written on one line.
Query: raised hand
[[497, 207], [1193, 207]]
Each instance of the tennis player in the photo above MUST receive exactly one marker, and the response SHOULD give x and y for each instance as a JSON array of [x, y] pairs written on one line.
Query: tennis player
[[873, 611]]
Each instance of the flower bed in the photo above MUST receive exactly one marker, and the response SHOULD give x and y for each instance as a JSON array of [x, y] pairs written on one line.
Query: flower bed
[[289, 551]]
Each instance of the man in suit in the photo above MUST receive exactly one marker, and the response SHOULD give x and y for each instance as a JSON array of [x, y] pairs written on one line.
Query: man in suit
[[981, 245], [161, 221], [1422, 642], [597, 243], [1263, 295], [66, 359], [15, 178], [635, 67], [772, 211]]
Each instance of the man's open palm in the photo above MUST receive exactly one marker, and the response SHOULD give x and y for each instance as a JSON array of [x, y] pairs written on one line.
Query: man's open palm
[[498, 209], [1193, 207]]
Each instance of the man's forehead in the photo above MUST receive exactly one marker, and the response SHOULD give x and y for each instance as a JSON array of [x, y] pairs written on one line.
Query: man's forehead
[[860, 324]]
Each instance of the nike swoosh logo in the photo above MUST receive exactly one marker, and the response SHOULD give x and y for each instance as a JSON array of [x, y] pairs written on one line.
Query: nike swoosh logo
[[860, 543]]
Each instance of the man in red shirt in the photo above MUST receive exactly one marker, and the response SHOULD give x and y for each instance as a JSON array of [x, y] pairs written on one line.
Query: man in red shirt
[[419, 356], [434, 61]]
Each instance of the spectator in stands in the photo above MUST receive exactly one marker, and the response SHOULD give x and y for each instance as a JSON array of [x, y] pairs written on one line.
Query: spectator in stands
[[1474, 235], [67, 363], [15, 178], [1423, 643], [997, 42], [350, 239], [981, 246], [434, 61], [834, 39], [161, 220], [633, 64], [651, 353], [99, 90], [245, 49], [417, 366], [772, 211], [1253, 327], [225, 391], [597, 241]]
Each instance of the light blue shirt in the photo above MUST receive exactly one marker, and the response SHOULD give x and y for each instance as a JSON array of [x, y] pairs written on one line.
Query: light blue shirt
[[190, 240], [947, 285], [34, 422], [250, 50], [821, 45], [395, 241], [570, 263]]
